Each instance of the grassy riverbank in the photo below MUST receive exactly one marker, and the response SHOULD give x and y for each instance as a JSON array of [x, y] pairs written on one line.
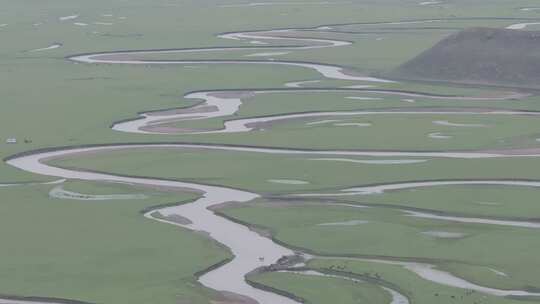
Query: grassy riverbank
[[107, 252], [99, 251], [250, 170], [389, 234], [412, 286]]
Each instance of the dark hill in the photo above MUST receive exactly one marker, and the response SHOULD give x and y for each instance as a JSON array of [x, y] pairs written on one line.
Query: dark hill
[[480, 56]]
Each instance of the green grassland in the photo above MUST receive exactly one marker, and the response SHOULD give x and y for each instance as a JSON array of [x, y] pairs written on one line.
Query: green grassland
[[122, 90], [99, 251], [407, 132], [320, 290], [116, 188], [389, 233], [107, 252], [477, 200], [360, 53], [411, 285], [252, 171], [379, 39], [396, 131]]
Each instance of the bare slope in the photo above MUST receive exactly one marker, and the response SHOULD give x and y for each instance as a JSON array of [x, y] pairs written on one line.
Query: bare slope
[[480, 56]]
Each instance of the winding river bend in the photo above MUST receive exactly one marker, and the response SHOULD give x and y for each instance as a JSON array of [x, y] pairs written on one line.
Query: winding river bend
[[227, 103], [250, 250]]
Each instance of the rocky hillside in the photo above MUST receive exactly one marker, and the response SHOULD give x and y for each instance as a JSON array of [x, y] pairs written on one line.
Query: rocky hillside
[[480, 56]]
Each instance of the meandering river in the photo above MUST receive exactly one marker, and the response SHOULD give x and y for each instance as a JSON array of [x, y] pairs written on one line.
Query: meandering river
[[250, 249]]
